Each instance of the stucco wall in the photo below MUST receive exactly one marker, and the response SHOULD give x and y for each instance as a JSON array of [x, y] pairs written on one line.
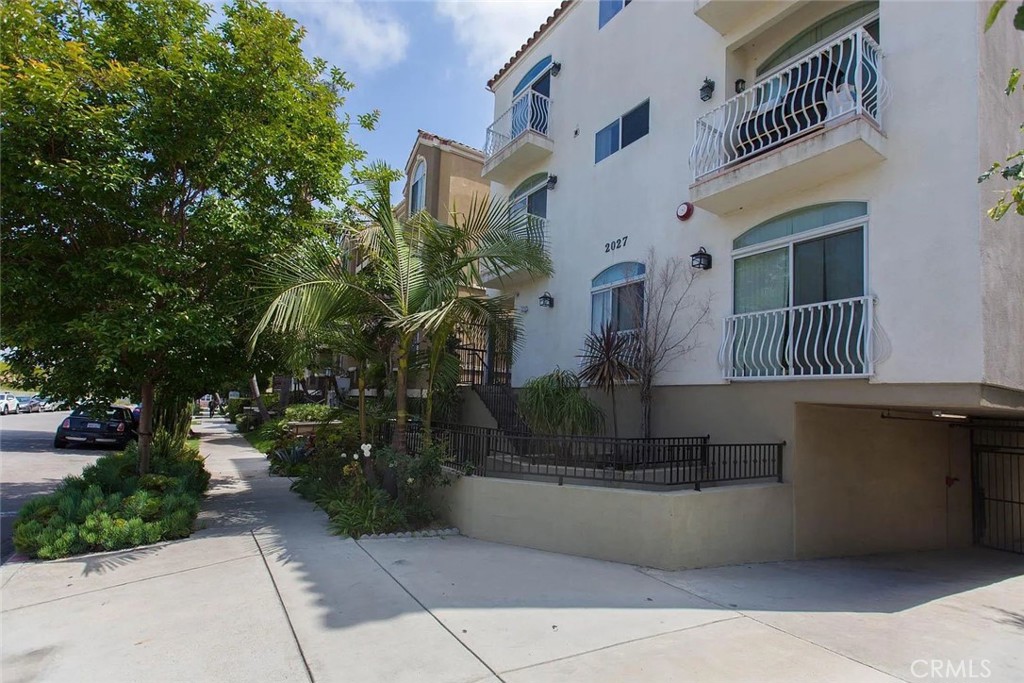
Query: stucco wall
[[924, 262], [863, 484], [461, 184], [1002, 243], [668, 530]]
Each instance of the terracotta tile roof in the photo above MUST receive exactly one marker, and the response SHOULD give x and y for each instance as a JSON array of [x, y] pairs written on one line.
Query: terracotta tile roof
[[533, 39], [448, 141]]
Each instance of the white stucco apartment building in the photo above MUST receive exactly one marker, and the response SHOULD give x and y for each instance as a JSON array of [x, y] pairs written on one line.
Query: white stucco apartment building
[[826, 155]]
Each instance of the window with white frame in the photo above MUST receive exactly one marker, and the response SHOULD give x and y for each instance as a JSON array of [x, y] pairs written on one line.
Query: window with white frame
[[622, 132], [418, 189], [608, 9], [617, 297], [799, 294]]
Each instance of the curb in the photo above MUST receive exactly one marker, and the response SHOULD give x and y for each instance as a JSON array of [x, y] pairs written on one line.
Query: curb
[[430, 533]]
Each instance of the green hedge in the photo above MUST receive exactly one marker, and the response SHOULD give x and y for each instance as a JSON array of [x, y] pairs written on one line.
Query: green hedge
[[310, 412], [110, 507]]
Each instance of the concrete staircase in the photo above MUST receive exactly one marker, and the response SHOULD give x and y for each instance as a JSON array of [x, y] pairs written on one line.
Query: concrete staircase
[[501, 403]]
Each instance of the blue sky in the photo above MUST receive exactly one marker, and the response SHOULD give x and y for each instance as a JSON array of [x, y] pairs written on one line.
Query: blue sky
[[423, 63]]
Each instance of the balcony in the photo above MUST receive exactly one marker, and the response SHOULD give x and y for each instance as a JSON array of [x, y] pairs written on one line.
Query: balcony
[[832, 339], [818, 118], [518, 139], [726, 16], [538, 229]]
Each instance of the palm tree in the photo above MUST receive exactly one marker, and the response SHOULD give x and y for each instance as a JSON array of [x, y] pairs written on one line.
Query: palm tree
[[421, 276], [604, 361]]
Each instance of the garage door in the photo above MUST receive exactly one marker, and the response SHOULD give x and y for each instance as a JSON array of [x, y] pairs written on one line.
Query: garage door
[[997, 473]]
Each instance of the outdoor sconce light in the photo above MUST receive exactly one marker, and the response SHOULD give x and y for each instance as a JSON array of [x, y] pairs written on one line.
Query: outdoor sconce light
[[328, 372], [701, 260], [556, 68], [707, 90], [552, 181], [741, 85], [546, 300]]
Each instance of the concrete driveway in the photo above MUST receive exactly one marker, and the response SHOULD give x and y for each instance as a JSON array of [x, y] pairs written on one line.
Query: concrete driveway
[[264, 593]]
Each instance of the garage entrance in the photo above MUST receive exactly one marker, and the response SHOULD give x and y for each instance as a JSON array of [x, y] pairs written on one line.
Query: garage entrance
[[997, 479]]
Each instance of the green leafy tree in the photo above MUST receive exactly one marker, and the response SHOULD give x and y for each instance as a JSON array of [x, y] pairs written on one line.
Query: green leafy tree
[[420, 276], [150, 159], [1012, 169]]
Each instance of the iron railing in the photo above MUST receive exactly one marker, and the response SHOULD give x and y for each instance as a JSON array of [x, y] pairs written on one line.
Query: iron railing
[[668, 461], [529, 112], [838, 78], [828, 339]]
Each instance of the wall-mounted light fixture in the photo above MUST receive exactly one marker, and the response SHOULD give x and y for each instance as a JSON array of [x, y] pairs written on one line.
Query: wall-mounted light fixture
[[546, 300], [556, 68], [701, 260], [328, 372], [552, 181], [707, 90], [741, 85], [948, 416]]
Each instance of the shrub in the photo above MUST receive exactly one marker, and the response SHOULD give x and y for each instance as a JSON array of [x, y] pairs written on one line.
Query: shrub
[[110, 508], [310, 412], [556, 404], [289, 461], [235, 405], [417, 477]]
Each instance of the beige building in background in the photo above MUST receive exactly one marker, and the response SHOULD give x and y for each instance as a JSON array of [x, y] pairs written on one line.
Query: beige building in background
[[441, 176]]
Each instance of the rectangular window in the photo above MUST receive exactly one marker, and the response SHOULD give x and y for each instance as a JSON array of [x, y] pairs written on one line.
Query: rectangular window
[[608, 9], [624, 131], [636, 123], [606, 141]]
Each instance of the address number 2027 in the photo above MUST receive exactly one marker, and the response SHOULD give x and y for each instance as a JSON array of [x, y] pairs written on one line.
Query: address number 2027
[[615, 244]]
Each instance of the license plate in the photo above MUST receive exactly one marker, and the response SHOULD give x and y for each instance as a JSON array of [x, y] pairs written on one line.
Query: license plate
[[93, 425]]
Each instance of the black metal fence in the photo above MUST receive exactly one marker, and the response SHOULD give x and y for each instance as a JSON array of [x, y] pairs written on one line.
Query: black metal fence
[[666, 461]]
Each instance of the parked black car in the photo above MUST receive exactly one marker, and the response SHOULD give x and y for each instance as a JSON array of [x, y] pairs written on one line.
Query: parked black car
[[101, 425]]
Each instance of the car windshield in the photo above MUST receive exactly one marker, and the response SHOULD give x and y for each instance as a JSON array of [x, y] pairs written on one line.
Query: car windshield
[[24, 399], [99, 412]]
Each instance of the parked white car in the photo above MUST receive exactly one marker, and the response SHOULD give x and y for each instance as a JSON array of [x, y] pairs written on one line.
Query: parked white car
[[9, 403]]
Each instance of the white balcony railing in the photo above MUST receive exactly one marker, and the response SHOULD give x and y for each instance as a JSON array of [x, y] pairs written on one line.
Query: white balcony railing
[[537, 229], [529, 112], [828, 339], [840, 78]]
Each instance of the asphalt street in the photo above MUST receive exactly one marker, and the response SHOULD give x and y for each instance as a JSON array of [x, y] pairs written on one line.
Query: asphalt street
[[29, 465]]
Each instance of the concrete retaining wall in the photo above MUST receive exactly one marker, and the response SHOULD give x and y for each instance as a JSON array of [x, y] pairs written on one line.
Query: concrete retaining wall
[[664, 529]]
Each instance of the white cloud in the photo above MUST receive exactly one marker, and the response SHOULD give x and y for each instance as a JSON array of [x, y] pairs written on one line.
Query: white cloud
[[349, 33], [493, 30]]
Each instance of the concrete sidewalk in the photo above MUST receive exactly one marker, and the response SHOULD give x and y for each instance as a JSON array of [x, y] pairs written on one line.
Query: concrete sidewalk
[[264, 593]]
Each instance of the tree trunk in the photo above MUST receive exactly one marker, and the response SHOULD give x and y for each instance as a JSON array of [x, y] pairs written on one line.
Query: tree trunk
[[646, 394], [254, 387], [615, 417], [146, 427], [361, 383], [398, 442]]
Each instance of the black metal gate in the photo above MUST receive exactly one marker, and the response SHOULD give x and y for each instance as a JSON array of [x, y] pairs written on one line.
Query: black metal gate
[[485, 355], [997, 480]]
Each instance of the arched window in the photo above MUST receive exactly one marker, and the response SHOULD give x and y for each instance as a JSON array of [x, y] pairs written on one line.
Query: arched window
[[531, 75], [418, 189], [531, 196], [805, 256], [799, 295], [617, 297], [829, 26]]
